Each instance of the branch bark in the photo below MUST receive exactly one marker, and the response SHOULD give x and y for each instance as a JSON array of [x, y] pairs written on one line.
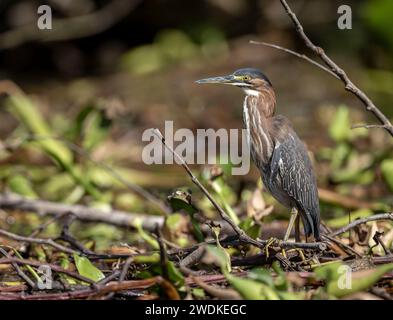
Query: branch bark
[[376, 217], [83, 213], [349, 85], [224, 216]]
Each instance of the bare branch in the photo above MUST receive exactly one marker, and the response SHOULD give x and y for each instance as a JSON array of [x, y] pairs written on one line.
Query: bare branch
[[84, 213], [18, 270], [299, 55], [349, 85], [242, 235], [368, 126], [47, 242], [70, 28], [53, 267], [376, 217]]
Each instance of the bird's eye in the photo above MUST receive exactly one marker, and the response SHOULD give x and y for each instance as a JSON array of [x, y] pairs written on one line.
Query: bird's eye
[[246, 78]]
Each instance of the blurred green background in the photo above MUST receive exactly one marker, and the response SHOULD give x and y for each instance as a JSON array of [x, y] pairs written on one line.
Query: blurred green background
[[114, 68]]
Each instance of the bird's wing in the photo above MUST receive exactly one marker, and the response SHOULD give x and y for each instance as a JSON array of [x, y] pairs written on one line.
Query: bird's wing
[[291, 162]]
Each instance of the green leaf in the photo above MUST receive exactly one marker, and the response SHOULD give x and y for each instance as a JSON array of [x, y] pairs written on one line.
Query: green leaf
[[65, 264], [250, 227], [340, 128], [341, 281], [219, 257], [21, 185], [95, 129], [225, 194], [252, 290], [137, 223], [28, 114], [262, 275], [87, 269], [181, 200], [198, 292], [175, 275], [387, 172]]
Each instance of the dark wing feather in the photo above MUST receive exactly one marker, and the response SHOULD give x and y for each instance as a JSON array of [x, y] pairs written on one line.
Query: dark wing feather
[[291, 165]]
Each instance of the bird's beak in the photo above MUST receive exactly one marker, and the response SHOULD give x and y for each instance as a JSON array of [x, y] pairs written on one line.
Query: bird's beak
[[224, 80]]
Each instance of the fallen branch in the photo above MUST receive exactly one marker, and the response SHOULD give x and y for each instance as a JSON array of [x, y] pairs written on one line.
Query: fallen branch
[[48, 242], [53, 267], [83, 213], [18, 270], [376, 217], [85, 293], [227, 294]]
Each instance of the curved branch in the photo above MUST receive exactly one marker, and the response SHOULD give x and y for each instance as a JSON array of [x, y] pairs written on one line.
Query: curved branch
[[349, 85], [376, 217], [70, 28]]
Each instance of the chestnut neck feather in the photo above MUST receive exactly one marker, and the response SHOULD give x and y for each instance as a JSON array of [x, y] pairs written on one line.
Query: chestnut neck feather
[[258, 113]]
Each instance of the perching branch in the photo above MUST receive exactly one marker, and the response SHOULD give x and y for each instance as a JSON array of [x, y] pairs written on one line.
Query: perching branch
[[334, 68]]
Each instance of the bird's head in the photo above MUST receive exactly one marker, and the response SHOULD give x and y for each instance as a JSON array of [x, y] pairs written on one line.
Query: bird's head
[[251, 80]]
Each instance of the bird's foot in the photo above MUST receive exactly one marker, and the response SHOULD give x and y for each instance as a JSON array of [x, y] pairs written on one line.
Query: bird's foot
[[298, 250], [269, 242]]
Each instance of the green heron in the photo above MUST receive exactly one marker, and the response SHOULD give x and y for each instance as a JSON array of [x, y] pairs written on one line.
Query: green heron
[[277, 151]]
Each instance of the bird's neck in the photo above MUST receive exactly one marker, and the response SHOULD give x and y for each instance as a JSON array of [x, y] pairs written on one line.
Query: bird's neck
[[263, 99], [259, 107]]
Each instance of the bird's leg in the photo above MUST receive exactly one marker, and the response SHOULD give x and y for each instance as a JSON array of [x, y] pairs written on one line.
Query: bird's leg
[[297, 229], [291, 223], [294, 215]]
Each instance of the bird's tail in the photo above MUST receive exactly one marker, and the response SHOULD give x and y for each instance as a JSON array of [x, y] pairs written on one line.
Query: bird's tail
[[311, 224]]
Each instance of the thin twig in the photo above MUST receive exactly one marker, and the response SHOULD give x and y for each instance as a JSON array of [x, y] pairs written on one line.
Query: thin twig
[[84, 293], [163, 254], [299, 55], [376, 217], [241, 234], [18, 270], [368, 126], [53, 267], [48, 242], [349, 85], [343, 245], [227, 294], [378, 241]]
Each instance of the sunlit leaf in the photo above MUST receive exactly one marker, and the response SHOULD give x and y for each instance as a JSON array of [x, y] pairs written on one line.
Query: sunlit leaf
[[387, 172], [341, 126], [87, 269], [21, 185]]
